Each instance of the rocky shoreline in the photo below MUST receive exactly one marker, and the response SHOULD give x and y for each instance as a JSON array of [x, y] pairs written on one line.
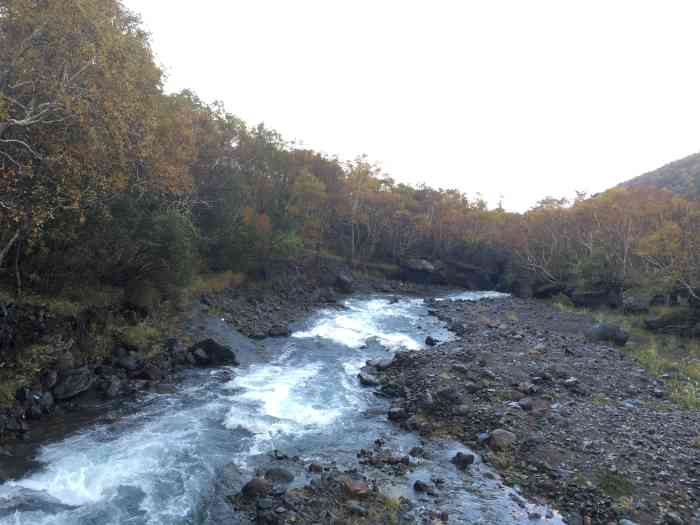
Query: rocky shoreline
[[567, 420]]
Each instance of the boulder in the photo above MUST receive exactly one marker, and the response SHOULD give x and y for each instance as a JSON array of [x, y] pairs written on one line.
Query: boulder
[[279, 475], [257, 488], [344, 283], [608, 333], [462, 460], [73, 382], [431, 341], [356, 488], [501, 439], [279, 330], [209, 352], [546, 290], [597, 298]]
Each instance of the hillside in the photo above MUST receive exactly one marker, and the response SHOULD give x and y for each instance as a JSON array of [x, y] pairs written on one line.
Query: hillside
[[681, 177]]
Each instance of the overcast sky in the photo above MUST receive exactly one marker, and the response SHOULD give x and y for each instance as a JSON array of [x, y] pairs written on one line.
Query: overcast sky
[[523, 99]]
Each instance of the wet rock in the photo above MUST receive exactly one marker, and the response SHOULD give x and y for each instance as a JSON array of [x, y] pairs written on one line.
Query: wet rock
[[422, 486], [344, 283], [315, 468], [397, 414], [279, 475], [257, 488], [606, 332], [431, 341], [73, 382], [462, 460], [367, 379], [501, 439], [209, 352], [417, 452], [279, 330]]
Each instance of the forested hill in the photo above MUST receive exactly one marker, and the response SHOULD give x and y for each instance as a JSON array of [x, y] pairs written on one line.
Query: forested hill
[[682, 177]]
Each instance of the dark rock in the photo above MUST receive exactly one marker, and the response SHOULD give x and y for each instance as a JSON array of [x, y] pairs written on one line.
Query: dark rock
[[397, 414], [209, 352], [279, 330], [597, 298], [257, 488], [73, 382], [149, 373], [450, 394], [344, 283], [315, 468], [608, 333], [431, 341], [279, 475], [462, 460], [547, 290], [422, 486]]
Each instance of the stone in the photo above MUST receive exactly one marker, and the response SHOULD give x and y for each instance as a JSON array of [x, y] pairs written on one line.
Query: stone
[[367, 379], [462, 460], [501, 439], [279, 475], [431, 341], [257, 488], [356, 488], [216, 354], [73, 382], [315, 468], [397, 414], [422, 486], [344, 283], [279, 330], [606, 332]]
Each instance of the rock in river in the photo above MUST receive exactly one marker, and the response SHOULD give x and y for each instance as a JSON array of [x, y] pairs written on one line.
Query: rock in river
[[209, 352], [73, 382]]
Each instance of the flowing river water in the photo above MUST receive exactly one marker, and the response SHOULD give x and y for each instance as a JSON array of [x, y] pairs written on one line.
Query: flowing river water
[[155, 460]]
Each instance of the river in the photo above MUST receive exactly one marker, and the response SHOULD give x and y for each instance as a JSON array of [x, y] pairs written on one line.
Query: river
[[154, 460]]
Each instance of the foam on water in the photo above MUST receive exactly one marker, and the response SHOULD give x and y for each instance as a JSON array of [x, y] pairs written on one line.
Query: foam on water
[[473, 296], [363, 320], [156, 466]]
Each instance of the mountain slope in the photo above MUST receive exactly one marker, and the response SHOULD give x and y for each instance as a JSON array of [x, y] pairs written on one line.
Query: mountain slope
[[681, 177]]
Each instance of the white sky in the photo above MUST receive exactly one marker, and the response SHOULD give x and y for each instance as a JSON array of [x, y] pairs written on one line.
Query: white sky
[[520, 98]]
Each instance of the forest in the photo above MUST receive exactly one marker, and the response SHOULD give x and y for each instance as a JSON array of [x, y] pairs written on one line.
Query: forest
[[105, 178]]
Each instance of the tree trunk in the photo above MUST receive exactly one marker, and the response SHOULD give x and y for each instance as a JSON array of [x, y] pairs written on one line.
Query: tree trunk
[[8, 246], [18, 275]]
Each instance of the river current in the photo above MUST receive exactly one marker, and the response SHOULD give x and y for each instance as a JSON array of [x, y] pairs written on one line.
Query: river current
[[154, 460]]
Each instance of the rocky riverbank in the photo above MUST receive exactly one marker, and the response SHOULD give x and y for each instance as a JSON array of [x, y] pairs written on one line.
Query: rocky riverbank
[[568, 420]]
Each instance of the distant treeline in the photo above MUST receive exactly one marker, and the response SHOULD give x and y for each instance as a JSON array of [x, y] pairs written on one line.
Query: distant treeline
[[105, 178]]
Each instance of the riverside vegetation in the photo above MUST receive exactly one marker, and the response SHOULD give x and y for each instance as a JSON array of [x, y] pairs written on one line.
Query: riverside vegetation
[[120, 204]]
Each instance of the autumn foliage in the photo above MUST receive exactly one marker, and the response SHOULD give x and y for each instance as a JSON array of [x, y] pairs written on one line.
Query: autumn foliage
[[105, 177]]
